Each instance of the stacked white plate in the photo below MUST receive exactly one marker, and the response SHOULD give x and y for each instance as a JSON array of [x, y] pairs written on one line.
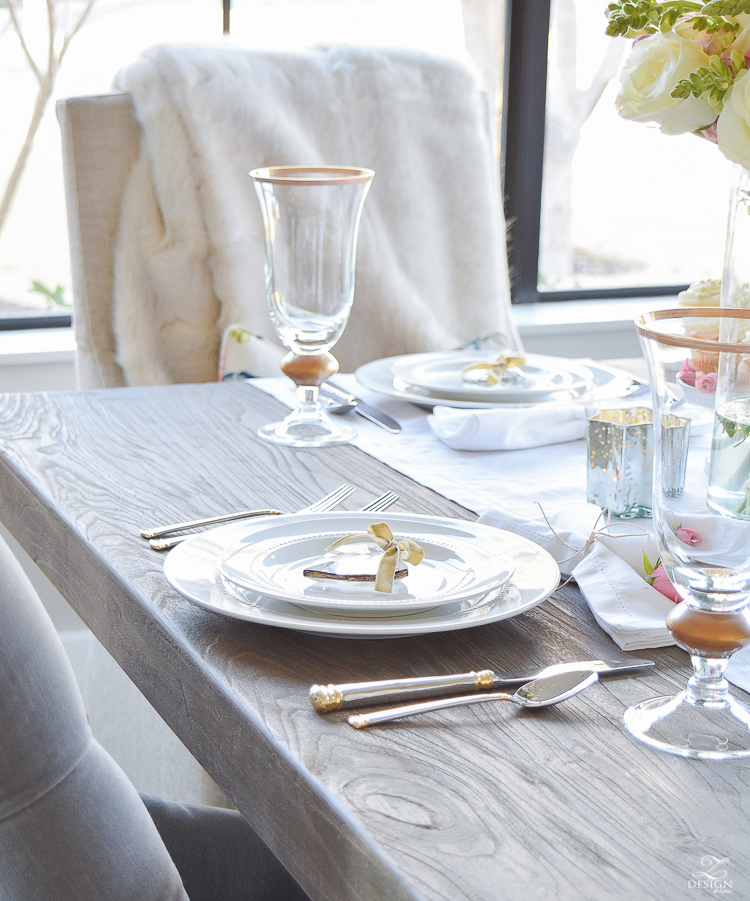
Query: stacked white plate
[[472, 574], [438, 378]]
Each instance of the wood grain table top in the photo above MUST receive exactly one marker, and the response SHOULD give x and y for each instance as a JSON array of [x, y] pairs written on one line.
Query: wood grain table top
[[479, 803]]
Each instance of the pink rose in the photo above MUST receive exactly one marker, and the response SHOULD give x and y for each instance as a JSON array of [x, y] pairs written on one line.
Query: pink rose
[[705, 382], [688, 536], [660, 581], [687, 374]]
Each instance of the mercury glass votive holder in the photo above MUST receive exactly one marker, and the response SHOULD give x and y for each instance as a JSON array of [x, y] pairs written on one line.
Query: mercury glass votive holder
[[620, 446]]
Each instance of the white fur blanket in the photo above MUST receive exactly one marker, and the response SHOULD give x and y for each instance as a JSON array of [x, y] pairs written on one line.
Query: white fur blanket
[[431, 263]]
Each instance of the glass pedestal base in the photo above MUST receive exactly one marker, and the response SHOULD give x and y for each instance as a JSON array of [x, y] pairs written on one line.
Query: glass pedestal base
[[678, 726], [317, 430]]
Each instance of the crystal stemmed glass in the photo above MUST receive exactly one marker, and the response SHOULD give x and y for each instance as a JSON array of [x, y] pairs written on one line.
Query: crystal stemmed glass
[[703, 531], [311, 219]]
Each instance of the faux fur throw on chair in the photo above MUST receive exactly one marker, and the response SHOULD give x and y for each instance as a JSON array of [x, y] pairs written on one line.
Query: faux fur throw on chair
[[431, 263]]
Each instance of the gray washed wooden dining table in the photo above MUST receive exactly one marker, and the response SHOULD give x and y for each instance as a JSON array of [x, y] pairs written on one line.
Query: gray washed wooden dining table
[[479, 803]]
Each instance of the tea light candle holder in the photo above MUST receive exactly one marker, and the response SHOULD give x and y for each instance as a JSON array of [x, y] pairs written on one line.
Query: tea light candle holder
[[620, 461], [620, 467]]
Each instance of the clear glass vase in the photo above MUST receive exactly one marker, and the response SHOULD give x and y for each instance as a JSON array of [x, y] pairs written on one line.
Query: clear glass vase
[[703, 538]]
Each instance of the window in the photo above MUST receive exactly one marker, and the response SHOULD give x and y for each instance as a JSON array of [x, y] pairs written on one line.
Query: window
[[618, 217], [598, 206], [33, 240]]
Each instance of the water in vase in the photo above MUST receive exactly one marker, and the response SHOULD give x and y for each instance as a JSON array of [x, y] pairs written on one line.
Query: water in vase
[[729, 475]]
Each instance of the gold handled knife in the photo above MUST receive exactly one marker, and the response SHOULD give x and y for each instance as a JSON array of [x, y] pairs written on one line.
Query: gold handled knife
[[326, 698]]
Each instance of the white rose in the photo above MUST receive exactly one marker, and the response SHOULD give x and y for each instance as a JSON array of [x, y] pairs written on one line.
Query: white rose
[[733, 127], [654, 67]]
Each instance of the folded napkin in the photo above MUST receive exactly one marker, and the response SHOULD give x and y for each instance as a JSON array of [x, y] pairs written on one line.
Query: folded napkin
[[609, 569], [509, 429]]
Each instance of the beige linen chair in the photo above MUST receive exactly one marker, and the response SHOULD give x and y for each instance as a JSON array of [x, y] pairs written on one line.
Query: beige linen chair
[[100, 143]]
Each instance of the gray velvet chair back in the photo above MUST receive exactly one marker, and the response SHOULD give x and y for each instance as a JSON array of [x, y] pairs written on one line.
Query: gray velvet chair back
[[72, 827]]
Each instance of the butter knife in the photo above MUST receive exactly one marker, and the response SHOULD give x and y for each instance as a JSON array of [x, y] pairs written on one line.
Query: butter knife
[[326, 698], [328, 389]]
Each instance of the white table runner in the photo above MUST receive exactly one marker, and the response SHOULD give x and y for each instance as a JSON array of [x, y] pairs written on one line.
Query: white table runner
[[480, 480], [553, 476]]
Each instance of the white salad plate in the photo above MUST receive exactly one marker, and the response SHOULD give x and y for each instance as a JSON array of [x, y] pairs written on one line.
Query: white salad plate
[[539, 379], [191, 569], [462, 560], [378, 376]]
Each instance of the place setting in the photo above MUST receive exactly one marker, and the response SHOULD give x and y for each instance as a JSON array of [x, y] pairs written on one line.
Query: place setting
[[487, 376], [321, 573]]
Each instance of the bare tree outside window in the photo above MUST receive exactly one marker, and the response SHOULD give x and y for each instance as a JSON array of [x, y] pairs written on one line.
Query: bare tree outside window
[[45, 71]]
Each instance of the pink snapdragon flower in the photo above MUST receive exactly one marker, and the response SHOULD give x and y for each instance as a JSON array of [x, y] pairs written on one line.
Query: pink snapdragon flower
[[660, 581], [688, 536], [687, 374], [705, 382], [709, 133]]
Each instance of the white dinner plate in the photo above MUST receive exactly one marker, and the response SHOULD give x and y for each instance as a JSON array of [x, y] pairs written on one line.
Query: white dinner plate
[[190, 568], [462, 560], [539, 379], [377, 376]]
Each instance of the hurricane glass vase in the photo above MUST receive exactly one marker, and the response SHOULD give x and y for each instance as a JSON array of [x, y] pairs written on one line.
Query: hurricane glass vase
[[702, 533]]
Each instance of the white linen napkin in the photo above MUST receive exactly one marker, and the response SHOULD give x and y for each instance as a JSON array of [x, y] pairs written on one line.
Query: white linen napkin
[[509, 429], [629, 610], [611, 576]]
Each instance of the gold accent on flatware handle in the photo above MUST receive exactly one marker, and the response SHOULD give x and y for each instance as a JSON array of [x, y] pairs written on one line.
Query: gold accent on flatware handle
[[326, 698], [484, 678], [359, 721], [166, 544]]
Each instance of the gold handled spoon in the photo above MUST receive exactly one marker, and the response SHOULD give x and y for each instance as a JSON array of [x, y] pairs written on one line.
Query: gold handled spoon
[[539, 693]]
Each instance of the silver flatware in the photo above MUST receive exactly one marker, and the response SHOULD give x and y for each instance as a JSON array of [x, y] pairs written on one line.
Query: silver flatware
[[161, 531], [331, 500], [539, 693], [348, 402], [326, 698], [380, 503]]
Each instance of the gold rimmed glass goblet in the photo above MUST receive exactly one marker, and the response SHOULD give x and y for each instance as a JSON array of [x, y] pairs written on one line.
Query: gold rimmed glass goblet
[[311, 220], [702, 530]]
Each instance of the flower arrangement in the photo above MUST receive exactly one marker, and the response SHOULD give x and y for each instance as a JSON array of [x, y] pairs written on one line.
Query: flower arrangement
[[689, 69]]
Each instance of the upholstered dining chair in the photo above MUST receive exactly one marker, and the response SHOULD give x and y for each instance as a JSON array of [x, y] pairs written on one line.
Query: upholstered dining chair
[[72, 827], [165, 231]]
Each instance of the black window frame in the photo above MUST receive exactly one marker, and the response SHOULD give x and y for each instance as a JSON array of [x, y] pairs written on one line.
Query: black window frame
[[527, 40]]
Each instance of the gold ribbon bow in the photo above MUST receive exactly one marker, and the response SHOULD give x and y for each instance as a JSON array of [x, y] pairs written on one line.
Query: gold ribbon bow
[[496, 370], [404, 549]]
